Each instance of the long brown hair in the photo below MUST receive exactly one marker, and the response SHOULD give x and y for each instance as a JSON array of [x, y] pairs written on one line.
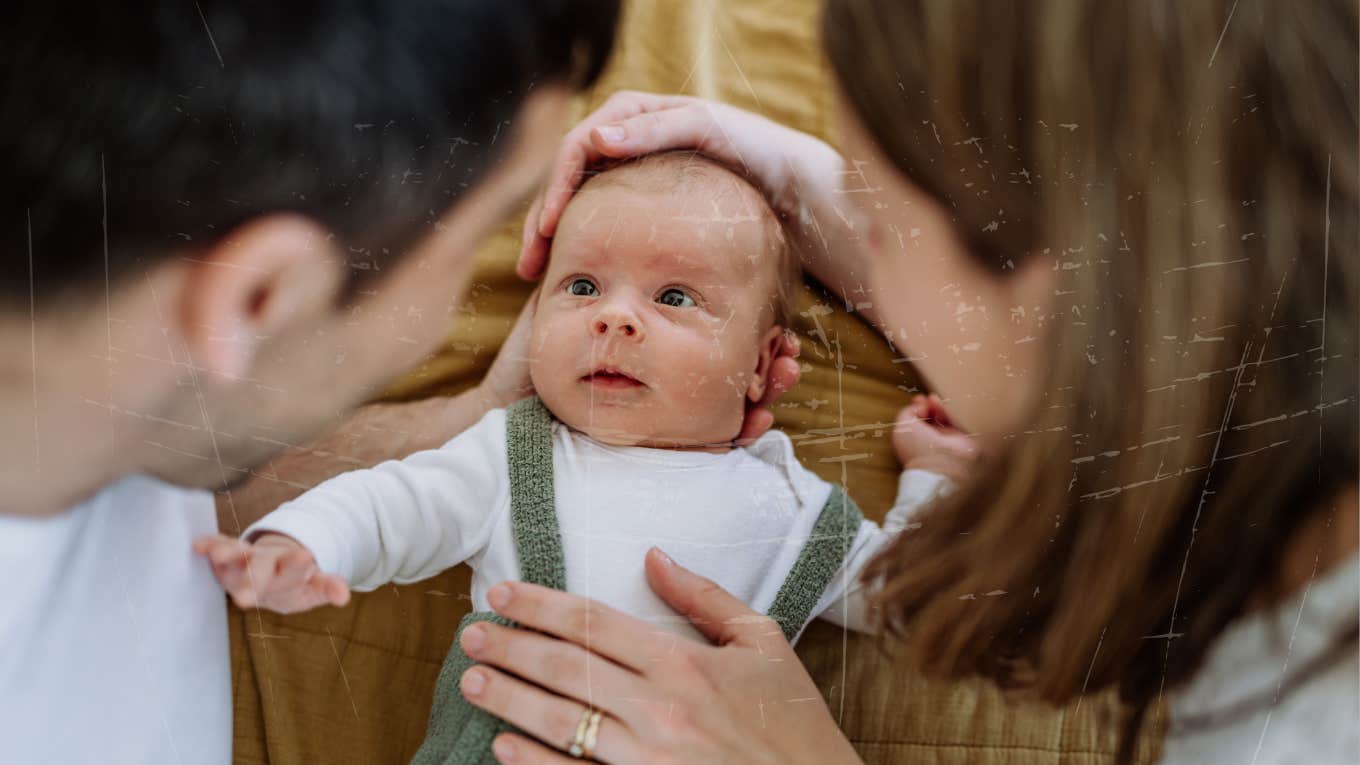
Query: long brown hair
[[1191, 171]]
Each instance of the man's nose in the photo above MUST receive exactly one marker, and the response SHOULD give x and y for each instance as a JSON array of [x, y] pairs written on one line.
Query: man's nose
[[617, 320]]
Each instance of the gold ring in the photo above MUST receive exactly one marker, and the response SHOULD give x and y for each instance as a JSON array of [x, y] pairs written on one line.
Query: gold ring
[[577, 747], [592, 731]]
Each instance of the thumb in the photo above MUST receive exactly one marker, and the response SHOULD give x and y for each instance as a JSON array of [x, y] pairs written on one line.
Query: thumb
[[715, 612], [533, 249]]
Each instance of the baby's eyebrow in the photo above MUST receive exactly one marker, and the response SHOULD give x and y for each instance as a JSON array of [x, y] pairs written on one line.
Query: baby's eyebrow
[[694, 270], [698, 273]]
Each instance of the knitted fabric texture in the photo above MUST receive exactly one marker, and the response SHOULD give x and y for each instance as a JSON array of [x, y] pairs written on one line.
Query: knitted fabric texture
[[459, 733], [822, 556], [533, 506]]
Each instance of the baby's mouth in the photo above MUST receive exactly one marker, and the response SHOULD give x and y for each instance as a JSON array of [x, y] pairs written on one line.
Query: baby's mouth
[[612, 378]]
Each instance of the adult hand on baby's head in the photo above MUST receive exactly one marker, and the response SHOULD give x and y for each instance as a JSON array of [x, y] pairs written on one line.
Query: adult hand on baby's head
[[926, 438], [274, 572], [507, 381], [785, 164]]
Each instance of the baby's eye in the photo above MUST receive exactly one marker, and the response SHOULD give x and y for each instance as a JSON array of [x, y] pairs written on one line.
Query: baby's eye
[[676, 298], [583, 288]]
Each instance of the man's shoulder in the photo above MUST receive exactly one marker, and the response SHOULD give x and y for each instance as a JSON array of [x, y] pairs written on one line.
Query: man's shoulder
[[143, 487], [138, 497]]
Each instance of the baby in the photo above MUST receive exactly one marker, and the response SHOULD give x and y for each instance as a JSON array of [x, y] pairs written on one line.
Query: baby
[[662, 308]]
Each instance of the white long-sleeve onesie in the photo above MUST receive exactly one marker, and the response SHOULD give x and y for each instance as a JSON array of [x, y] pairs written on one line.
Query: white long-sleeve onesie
[[740, 518]]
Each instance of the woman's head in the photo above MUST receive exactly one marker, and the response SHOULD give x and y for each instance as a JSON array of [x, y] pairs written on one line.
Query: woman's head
[[1125, 235]]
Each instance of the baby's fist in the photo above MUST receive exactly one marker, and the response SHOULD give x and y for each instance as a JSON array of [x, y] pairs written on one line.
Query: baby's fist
[[274, 572], [925, 438]]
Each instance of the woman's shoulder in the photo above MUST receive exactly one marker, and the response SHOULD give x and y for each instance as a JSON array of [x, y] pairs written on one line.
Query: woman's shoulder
[[1281, 685], [1313, 723]]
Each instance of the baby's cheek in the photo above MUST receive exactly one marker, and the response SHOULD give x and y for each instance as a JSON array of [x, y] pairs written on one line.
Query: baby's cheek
[[700, 360], [549, 366], [717, 377]]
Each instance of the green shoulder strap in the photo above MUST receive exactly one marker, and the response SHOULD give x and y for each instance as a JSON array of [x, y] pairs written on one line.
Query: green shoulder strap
[[822, 556], [459, 733], [533, 507]]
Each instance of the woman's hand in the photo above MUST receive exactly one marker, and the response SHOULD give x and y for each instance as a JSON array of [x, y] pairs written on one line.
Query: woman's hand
[[665, 699], [798, 173]]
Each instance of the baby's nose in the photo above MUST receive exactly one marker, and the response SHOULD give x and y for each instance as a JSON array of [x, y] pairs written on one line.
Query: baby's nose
[[618, 324], [626, 328]]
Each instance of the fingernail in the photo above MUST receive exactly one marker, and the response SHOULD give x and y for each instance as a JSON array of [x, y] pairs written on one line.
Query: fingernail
[[610, 133], [474, 638], [663, 557], [473, 682], [503, 749], [499, 596]]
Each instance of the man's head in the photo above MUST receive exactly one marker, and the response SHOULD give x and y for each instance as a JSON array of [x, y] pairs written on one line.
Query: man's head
[[262, 212], [663, 303]]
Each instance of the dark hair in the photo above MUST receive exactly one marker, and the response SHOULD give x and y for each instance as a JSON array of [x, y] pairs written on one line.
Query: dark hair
[[1195, 184], [128, 134]]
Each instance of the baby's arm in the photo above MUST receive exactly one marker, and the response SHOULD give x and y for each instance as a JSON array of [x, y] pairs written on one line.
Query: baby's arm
[[400, 521], [936, 455], [846, 601]]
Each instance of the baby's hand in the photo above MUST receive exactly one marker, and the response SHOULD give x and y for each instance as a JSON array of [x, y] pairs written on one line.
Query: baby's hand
[[274, 572], [926, 439]]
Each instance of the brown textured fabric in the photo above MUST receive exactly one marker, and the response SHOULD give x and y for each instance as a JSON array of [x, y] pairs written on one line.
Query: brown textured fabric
[[354, 685]]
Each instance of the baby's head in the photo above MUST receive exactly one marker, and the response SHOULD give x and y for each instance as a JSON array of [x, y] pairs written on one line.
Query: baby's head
[[663, 304]]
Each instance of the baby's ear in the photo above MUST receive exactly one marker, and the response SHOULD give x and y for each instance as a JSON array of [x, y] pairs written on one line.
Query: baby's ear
[[769, 351]]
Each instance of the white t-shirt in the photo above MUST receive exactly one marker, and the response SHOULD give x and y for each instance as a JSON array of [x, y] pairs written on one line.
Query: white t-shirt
[[1239, 708], [113, 634], [740, 518]]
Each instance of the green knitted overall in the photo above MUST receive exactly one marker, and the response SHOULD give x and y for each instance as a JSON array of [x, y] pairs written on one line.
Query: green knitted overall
[[460, 734]]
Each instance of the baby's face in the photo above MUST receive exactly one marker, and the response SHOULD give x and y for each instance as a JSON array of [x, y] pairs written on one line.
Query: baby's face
[[654, 324]]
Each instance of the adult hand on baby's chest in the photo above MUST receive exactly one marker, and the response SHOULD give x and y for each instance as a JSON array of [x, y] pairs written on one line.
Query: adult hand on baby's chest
[[746, 698]]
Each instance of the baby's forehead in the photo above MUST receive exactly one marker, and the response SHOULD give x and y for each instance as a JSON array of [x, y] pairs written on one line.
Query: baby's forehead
[[665, 257], [674, 171], [678, 210]]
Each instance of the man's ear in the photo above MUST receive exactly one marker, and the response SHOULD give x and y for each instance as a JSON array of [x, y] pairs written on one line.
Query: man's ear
[[269, 272], [769, 351]]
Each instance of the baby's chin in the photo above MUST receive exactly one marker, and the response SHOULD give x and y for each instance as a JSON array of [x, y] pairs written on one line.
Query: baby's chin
[[619, 424]]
